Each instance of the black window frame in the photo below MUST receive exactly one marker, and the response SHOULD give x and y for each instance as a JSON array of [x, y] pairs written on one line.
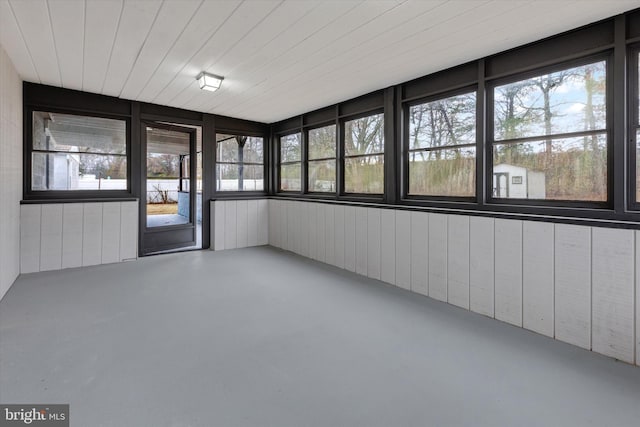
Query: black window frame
[[265, 166], [307, 160], [491, 84], [342, 157], [279, 162], [406, 150], [72, 195], [633, 104]]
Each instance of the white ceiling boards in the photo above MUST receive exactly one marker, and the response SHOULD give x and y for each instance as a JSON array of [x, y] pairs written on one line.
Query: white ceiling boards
[[278, 58]]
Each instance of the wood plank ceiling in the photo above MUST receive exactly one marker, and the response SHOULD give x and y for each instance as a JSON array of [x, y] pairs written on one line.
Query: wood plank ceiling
[[279, 57]]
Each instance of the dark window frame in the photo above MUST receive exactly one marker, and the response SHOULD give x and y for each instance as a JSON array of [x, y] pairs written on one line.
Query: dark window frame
[[264, 164], [308, 160], [72, 195], [342, 157], [280, 163], [633, 104], [406, 106], [491, 84]]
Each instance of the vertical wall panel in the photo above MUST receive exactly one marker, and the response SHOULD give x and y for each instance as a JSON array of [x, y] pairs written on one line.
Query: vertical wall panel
[[573, 284], [252, 222], [321, 230], [242, 224], [361, 241], [458, 260], [339, 236], [51, 237], [219, 211], [110, 232], [72, 219], [330, 237], [508, 271], [30, 238], [230, 225], [290, 225], [481, 265], [373, 243], [92, 234], [282, 224], [537, 277], [262, 222], [388, 246], [403, 249], [613, 293], [438, 256], [350, 238], [637, 253], [312, 213], [129, 230], [419, 252], [305, 249], [272, 222]]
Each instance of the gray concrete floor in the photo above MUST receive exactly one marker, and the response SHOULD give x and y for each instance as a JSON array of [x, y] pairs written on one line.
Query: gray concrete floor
[[258, 337]]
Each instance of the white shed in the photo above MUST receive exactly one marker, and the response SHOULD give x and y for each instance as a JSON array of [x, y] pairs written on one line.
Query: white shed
[[516, 182]]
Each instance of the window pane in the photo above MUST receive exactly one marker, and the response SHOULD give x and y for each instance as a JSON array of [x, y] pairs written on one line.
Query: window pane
[[445, 122], [76, 171], [446, 172], [290, 177], [227, 148], [290, 147], [254, 150], [228, 177], [571, 100], [364, 135], [559, 169], [322, 142], [71, 133], [364, 175], [322, 176]]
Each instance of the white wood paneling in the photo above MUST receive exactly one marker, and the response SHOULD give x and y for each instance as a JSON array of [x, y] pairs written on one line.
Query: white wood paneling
[[303, 211], [30, 238], [373, 243], [263, 222], [312, 213], [388, 246], [508, 271], [321, 230], [219, 211], [242, 224], [339, 211], [403, 249], [230, 225], [92, 234], [361, 240], [420, 252], [129, 230], [573, 284], [72, 217], [458, 260], [290, 243], [537, 277], [350, 238], [637, 253], [51, 237], [330, 237], [481, 265], [613, 283], [252, 222], [68, 22], [438, 256], [110, 232]]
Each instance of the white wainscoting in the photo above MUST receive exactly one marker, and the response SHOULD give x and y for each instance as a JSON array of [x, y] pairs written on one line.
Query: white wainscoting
[[54, 236], [577, 284], [243, 223]]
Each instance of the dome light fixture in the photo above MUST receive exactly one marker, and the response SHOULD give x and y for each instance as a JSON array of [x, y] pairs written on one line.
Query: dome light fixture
[[209, 82]]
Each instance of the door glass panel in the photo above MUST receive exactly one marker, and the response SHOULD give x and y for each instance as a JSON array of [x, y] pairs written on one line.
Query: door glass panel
[[168, 189]]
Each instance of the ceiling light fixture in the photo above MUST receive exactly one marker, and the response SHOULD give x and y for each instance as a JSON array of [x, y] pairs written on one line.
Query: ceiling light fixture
[[209, 82]]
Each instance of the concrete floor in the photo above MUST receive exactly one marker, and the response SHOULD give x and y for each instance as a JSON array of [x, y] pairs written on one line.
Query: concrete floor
[[258, 337]]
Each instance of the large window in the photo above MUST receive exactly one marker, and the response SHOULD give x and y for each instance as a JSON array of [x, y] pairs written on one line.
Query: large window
[[72, 152], [322, 159], [635, 115], [442, 139], [364, 155], [291, 162], [550, 136], [239, 163]]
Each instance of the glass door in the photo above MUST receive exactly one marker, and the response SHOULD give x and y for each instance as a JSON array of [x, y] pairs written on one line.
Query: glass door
[[169, 183]]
